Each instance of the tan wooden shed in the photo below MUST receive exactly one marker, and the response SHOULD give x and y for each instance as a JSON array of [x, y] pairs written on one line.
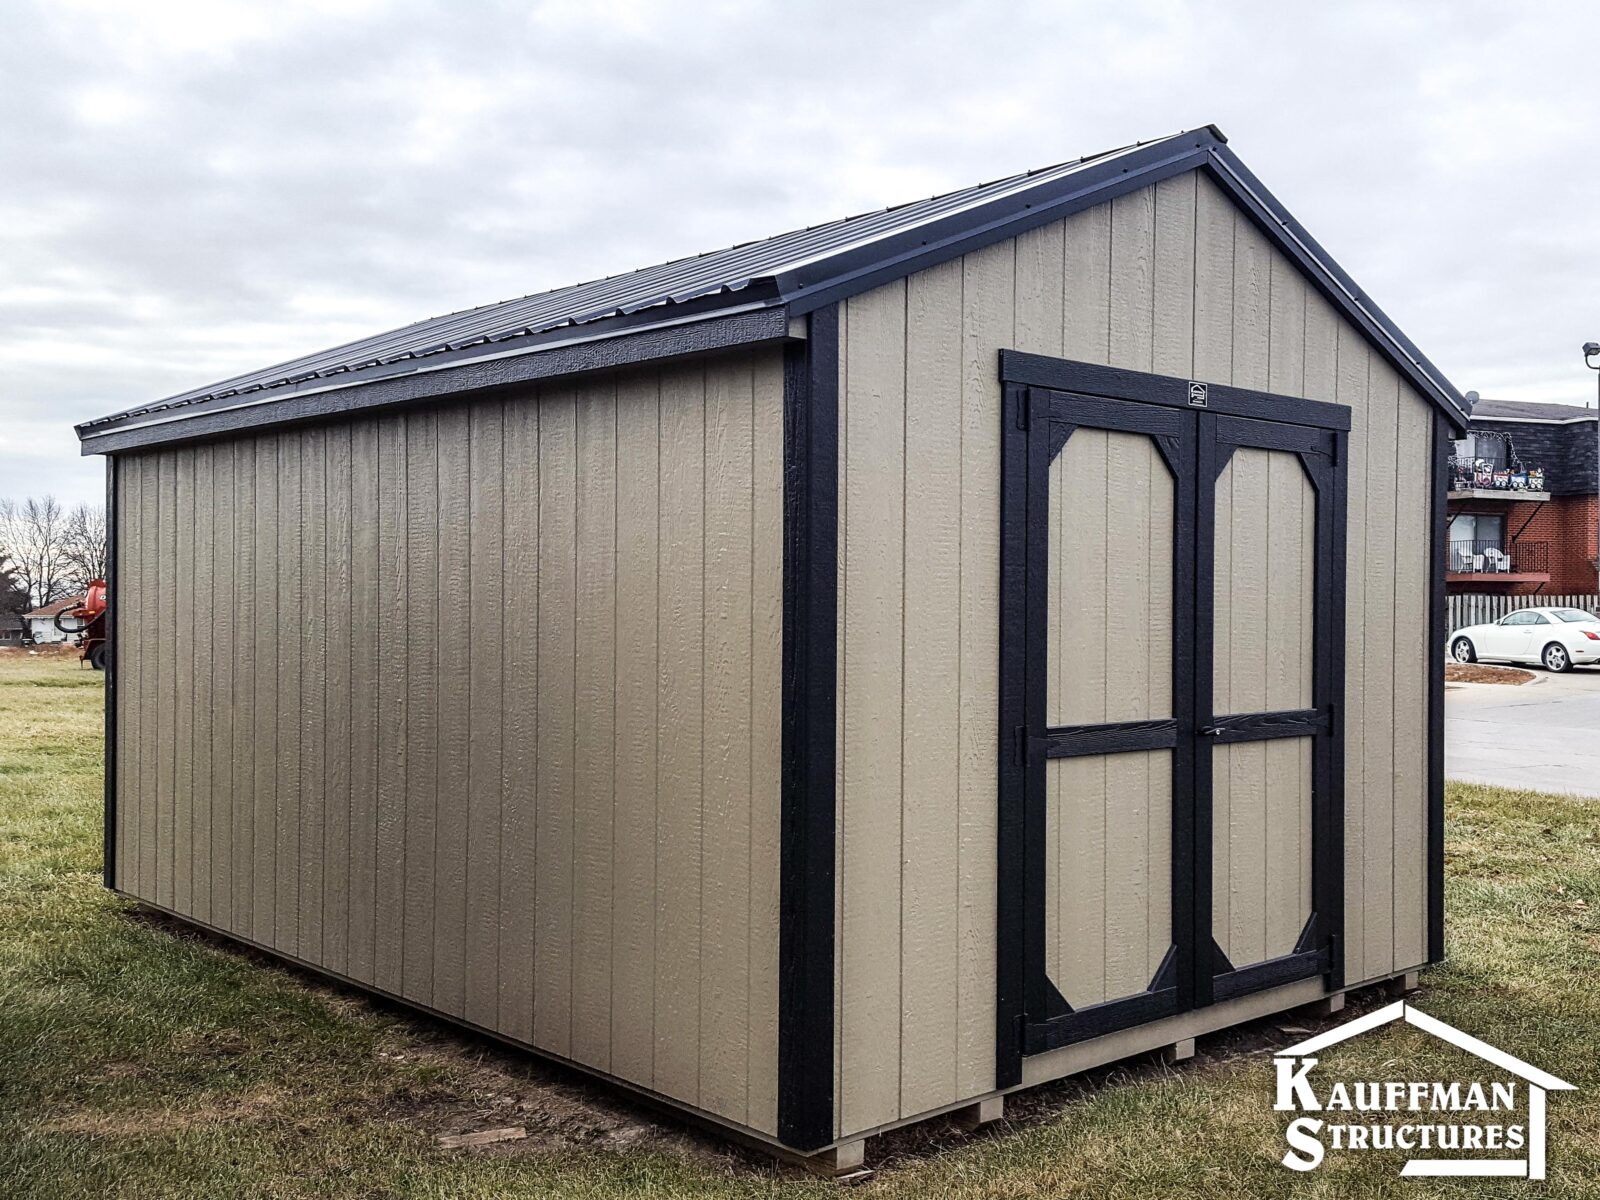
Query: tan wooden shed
[[822, 683]]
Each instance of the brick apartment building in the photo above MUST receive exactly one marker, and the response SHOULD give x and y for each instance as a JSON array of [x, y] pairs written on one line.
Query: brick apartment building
[[1523, 509]]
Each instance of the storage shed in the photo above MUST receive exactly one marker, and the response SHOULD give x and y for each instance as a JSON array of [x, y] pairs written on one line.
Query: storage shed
[[822, 683]]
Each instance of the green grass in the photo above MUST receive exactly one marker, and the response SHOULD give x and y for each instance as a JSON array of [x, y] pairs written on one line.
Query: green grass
[[137, 1060]]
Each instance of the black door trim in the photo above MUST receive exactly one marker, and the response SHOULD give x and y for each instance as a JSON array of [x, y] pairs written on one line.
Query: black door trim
[[1034, 1015], [1067, 375], [1065, 393]]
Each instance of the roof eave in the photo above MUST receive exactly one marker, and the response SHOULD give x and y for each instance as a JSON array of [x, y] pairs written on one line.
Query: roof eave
[[604, 346]]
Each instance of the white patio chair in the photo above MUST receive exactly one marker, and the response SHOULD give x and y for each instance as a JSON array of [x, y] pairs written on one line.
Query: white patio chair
[[1498, 560]]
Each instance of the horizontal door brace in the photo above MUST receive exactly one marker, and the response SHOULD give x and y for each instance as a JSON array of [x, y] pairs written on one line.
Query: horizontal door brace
[[1263, 726], [1075, 741]]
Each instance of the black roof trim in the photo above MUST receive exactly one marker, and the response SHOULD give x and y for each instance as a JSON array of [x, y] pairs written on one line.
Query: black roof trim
[[791, 274], [481, 376], [1319, 266]]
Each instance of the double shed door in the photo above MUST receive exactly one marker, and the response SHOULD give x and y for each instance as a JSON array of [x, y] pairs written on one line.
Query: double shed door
[[1172, 644]]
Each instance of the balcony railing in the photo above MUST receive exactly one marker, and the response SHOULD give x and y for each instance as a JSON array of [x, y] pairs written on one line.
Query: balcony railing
[[1468, 557], [1483, 475]]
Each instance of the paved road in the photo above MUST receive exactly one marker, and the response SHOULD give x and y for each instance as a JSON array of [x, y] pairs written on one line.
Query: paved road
[[1543, 735]]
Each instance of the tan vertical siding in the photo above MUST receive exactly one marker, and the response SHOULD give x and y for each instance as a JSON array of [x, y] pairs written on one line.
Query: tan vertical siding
[[422, 704], [165, 610], [391, 596], [519, 722], [182, 682], [489, 715], [594, 751], [453, 642], [313, 847], [725, 931], [872, 480], [241, 777], [638, 664], [1413, 564], [200, 684], [486, 653], [932, 759], [680, 730], [219, 784], [288, 533], [765, 718], [1172, 279], [339, 636], [367, 660], [148, 569], [988, 308]]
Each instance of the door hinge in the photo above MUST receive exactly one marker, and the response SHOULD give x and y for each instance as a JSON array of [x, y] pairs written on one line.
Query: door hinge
[[1020, 744], [1024, 408]]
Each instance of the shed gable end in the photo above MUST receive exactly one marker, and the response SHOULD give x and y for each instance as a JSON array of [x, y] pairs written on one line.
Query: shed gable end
[[1174, 279]]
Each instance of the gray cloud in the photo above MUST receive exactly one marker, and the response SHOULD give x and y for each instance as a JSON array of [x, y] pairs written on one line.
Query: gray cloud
[[196, 189]]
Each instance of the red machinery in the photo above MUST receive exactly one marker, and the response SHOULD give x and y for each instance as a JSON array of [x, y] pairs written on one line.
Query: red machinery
[[88, 621]]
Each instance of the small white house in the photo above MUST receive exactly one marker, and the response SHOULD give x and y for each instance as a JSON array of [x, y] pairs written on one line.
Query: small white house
[[40, 624]]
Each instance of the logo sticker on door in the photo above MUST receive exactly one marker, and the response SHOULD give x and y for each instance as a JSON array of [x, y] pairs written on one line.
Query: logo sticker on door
[[1197, 394]]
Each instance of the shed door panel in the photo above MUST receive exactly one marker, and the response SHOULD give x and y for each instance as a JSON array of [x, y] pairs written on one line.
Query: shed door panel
[[1260, 848], [1108, 907], [1108, 913], [1263, 659]]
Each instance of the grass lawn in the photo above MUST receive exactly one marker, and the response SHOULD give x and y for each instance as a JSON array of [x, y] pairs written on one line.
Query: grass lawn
[[138, 1060]]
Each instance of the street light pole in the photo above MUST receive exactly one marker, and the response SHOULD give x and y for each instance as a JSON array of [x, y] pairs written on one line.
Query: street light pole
[[1590, 351]]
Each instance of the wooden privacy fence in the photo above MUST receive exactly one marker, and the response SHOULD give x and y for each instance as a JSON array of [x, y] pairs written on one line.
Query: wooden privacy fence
[[1479, 608]]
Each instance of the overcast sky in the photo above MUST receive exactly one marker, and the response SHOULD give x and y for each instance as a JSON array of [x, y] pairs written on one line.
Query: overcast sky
[[189, 190]]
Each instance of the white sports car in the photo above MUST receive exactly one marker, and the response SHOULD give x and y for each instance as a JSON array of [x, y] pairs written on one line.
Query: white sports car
[[1557, 637]]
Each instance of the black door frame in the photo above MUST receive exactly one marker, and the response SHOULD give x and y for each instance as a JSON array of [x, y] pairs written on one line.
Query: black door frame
[[1317, 949], [1042, 393]]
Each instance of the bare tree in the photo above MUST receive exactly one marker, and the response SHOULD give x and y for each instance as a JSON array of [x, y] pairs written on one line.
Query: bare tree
[[13, 597], [32, 547], [83, 544]]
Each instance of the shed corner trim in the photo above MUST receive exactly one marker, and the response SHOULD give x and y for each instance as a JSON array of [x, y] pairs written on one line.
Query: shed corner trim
[[810, 687]]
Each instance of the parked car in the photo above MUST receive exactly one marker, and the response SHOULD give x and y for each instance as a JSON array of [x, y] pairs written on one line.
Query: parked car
[[1556, 637]]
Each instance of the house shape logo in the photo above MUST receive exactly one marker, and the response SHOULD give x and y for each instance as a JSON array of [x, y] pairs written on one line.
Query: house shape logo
[[1538, 1084]]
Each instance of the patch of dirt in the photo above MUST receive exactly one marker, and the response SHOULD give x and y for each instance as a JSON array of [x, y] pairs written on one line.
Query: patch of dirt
[[476, 1084], [482, 1087], [1455, 672], [48, 650]]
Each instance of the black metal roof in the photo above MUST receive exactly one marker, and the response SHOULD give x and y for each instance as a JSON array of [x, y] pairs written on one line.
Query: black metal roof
[[720, 272], [789, 274]]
